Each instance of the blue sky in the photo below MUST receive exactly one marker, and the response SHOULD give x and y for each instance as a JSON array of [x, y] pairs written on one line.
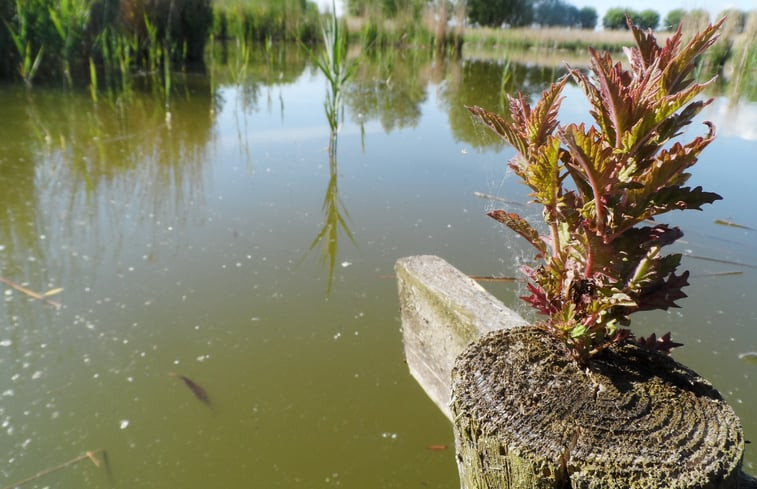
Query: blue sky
[[714, 7]]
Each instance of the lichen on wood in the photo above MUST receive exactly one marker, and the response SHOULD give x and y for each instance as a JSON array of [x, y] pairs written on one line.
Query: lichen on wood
[[527, 416]]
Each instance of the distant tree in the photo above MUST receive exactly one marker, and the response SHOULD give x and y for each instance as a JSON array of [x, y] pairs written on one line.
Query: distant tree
[[555, 12], [615, 18], [587, 17], [648, 19], [497, 12], [673, 19]]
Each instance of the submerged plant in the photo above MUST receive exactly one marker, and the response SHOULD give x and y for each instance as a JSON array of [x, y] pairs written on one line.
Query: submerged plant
[[603, 258]]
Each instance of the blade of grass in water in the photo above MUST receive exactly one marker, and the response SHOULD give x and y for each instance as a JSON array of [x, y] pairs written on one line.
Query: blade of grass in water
[[733, 225]]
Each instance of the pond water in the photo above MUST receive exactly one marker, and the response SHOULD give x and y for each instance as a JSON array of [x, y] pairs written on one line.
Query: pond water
[[223, 244]]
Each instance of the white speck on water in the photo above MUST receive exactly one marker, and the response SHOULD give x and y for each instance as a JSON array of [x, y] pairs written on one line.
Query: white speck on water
[[2, 247], [8, 291], [337, 336], [36, 375], [130, 379], [8, 393], [6, 343], [202, 358], [392, 436], [131, 269], [254, 318], [123, 424], [176, 362], [346, 264], [26, 443]]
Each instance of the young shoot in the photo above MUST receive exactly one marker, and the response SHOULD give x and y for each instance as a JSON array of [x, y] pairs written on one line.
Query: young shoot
[[603, 257]]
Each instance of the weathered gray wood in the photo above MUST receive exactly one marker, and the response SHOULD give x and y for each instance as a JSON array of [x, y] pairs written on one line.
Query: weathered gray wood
[[442, 311], [527, 416]]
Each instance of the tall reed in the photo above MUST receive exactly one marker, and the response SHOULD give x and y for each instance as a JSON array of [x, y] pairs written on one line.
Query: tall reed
[[57, 38], [261, 20], [70, 19], [29, 56], [332, 61]]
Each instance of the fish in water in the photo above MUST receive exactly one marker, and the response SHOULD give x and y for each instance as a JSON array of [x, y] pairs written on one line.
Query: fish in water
[[749, 357], [198, 391]]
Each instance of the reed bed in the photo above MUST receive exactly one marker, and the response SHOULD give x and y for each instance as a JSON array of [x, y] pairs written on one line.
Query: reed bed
[[556, 38], [266, 20]]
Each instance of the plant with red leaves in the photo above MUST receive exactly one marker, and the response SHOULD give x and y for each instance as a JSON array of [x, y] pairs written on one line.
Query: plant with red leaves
[[603, 256]]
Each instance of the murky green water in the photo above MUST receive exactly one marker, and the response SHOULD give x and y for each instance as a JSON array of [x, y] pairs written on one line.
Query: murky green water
[[184, 245]]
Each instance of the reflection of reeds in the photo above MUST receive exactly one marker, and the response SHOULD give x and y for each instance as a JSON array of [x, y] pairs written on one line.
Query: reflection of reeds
[[334, 213], [88, 164]]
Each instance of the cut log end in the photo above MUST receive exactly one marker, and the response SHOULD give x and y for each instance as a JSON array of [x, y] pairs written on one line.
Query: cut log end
[[527, 416]]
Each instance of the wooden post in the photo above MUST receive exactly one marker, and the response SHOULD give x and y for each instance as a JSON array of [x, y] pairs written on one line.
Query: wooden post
[[443, 311]]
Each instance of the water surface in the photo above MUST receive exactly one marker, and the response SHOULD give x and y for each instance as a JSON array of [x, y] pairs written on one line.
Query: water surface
[[188, 244]]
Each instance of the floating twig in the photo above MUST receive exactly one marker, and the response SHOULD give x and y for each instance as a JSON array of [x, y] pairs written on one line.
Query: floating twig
[[495, 198], [478, 278], [490, 278], [198, 391], [718, 260], [721, 274], [733, 225], [34, 295], [91, 455]]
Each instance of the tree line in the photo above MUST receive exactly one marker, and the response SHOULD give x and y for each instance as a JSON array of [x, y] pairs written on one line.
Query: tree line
[[544, 13]]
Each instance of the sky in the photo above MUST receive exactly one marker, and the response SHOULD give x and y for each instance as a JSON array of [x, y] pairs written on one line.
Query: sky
[[601, 6]]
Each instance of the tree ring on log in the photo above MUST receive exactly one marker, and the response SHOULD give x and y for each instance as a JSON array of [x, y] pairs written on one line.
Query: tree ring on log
[[526, 415]]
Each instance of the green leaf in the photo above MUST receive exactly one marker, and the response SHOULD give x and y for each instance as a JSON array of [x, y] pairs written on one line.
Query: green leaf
[[578, 331]]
